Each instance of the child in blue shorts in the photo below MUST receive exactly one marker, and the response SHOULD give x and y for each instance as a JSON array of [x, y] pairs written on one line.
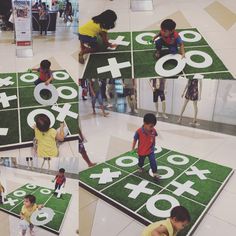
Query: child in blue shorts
[[169, 38]]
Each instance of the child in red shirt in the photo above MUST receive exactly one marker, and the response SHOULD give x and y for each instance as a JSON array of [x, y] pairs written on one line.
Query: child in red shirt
[[146, 143], [45, 73], [170, 38], [60, 179]]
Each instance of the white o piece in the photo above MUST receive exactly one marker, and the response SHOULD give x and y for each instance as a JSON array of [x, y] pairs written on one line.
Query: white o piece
[[56, 76], [159, 67], [169, 174], [73, 92], [32, 114], [183, 160], [120, 161], [158, 149], [33, 78], [197, 36], [31, 186], [45, 191], [46, 213], [19, 193], [46, 102], [207, 59], [151, 205], [139, 38]]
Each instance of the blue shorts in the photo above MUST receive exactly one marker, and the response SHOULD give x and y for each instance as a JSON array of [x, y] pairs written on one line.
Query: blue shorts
[[173, 49], [91, 41]]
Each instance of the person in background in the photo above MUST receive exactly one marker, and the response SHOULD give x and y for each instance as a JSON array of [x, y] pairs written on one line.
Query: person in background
[[43, 16]]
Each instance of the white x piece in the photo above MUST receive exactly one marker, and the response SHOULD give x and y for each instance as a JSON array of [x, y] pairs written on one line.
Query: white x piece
[[4, 99], [182, 188], [106, 176], [140, 188], [114, 67], [6, 82], [11, 201], [64, 112], [3, 131], [200, 173], [119, 41]]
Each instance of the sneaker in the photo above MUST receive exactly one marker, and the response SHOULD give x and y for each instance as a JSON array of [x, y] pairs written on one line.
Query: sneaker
[[135, 111], [156, 176], [179, 121], [194, 124], [32, 233], [158, 115], [164, 116], [109, 105], [81, 58]]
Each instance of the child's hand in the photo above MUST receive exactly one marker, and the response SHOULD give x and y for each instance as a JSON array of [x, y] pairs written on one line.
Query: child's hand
[[62, 125], [40, 206], [183, 56], [47, 83]]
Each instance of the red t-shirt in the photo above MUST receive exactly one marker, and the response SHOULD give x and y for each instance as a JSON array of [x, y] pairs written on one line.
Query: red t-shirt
[[146, 141], [60, 179], [44, 75]]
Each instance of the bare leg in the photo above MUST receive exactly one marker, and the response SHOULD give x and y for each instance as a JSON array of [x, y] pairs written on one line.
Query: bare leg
[[103, 111], [164, 110], [42, 164], [87, 160], [157, 109], [183, 109], [128, 100], [48, 164]]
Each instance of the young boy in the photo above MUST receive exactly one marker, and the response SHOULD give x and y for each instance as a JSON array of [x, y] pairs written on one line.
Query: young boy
[[170, 38], [45, 73], [2, 190], [179, 219], [28, 208], [60, 179], [146, 143]]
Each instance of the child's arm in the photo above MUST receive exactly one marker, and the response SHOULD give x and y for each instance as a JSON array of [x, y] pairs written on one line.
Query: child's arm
[[156, 36], [64, 183], [40, 206], [135, 141], [160, 231], [22, 216], [91, 89], [47, 82], [105, 40], [60, 135]]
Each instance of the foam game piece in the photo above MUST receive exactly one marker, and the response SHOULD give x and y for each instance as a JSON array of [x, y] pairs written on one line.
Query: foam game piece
[[113, 67], [139, 38], [133, 161], [64, 112], [46, 213], [73, 92], [3, 131], [159, 67], [25, 77], [106, 176], [119, 41], [64, 76], [42, 101], [207, 59], [197, 37], [32, 114], [6, 81], [185, 187], [4, 99]]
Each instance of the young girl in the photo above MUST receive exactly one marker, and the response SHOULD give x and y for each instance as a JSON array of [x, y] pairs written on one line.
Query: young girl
[[28, 208], [46, 138], [99, 25], [2, 190]]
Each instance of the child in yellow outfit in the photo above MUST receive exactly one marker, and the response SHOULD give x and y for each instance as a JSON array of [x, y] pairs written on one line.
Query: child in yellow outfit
[[2, 190], [98, 25], [179, 219], [46, 138], [28, 208]]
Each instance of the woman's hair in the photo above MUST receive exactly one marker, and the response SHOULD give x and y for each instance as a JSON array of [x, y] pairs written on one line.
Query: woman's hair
[[42, 122], [106, 19]]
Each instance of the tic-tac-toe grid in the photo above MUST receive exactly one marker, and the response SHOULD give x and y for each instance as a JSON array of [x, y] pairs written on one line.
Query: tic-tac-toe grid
[[14, 202], [17, 102], [134, 58], [185, 180]]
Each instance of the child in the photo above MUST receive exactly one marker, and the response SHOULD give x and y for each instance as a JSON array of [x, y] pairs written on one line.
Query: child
[[28, 208], [82, 150], [45, 74], [99, 25], [60, 179], [46, 138], [169, 38], [179, 219], [2, 190], [146, 136]]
